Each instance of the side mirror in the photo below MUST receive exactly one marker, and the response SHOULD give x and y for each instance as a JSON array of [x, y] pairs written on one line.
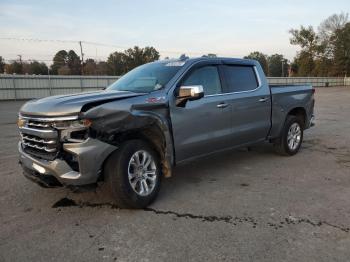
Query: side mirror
[[190, 92]]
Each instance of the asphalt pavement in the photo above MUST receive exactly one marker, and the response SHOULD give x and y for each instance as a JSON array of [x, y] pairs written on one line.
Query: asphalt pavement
[[242, 205]]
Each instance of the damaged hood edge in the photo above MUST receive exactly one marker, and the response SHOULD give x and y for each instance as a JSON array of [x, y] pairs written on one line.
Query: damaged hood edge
[[65, 105]]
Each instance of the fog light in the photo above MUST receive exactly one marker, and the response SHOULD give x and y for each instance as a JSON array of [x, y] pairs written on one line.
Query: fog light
[[38, 168]]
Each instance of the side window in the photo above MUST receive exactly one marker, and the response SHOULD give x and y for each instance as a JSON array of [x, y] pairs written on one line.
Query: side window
[[206, 76], [240, 78]]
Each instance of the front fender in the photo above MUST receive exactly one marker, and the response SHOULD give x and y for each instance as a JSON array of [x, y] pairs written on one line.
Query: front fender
[[114, 126]]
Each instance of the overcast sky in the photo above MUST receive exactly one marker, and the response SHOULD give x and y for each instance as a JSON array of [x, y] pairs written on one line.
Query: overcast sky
[[224, 27]]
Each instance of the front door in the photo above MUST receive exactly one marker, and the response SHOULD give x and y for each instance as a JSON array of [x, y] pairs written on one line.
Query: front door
[[202, 126]]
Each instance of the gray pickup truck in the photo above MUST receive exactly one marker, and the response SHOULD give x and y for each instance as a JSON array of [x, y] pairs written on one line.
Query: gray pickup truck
[[128, 136]]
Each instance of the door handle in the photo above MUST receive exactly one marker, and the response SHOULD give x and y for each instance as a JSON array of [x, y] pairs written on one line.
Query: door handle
[[222, 105], [263, 99]]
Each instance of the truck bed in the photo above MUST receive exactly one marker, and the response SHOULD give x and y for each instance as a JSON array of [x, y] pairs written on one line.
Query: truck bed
[[286, 97]]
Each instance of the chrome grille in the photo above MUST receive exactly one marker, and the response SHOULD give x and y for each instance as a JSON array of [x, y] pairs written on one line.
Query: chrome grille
[[39, 138], [37, 124], [39, 143]]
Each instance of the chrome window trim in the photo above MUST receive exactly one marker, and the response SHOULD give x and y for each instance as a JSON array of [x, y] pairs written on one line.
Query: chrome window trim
[[49, 119], [257, 77], [240, 92]]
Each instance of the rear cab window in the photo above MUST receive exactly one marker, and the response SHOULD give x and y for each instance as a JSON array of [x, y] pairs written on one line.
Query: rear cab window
[[239, 78]]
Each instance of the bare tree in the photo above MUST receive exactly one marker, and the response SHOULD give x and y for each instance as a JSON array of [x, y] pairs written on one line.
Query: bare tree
[[333, 23]]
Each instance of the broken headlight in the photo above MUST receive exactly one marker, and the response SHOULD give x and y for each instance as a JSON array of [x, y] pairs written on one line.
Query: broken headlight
[[74, 131], [73, 124]]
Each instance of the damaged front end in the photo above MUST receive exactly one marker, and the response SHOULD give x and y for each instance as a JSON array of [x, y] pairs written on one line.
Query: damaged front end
[[142, 118], [70, 150], [58, 151]]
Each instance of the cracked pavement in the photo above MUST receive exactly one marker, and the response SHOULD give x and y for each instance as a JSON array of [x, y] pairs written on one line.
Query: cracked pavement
[[236, 206]]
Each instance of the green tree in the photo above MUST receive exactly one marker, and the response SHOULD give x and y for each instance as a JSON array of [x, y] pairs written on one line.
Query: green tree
[[116, 63], [261, 58], [342, 51], [122, 62], [307, 39], [150, 54], [39, 68], [90, 67], [14, 68], [138, 56], [74, 63], [2, 65], [64, 70], [323, 53], [322, 67], [293, 69], [35, 68], [278, 65], [60, 59], [306, 64], [102, 68], [68, 61]]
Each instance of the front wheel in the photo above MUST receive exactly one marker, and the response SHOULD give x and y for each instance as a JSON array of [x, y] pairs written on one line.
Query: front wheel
[[291, 137], [132, 175]]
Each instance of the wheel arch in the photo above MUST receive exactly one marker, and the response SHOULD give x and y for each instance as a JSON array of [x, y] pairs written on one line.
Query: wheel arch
[[154, 131], [299, 112]]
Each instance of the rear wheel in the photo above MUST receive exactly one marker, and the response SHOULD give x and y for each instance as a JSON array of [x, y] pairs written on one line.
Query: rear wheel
[[291, 137], [132, 175]]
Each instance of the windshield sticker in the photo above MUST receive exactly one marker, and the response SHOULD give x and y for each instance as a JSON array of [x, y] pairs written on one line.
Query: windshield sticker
[[157, 86]]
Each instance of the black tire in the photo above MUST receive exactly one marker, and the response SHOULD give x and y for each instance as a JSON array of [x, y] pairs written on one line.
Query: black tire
[[117, 179], [281, 144]]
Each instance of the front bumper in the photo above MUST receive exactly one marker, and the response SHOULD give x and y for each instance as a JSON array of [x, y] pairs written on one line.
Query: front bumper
[[90, 156]]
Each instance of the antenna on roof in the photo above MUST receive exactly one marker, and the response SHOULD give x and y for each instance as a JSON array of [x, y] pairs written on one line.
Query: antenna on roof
[[183, 57]]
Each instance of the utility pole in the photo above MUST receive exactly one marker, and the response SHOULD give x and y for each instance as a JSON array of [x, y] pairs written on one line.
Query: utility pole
[[82, 58], [49, 81], [20, 61], [282, 68]]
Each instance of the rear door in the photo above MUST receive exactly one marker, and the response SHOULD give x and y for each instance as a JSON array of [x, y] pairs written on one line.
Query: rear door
[[250, 102], [201, 126]]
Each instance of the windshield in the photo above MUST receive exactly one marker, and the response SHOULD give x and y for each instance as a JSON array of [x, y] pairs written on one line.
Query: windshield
[[147, 78]]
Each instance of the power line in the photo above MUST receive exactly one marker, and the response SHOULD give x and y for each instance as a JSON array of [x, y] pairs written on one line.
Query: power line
[[38, 60], [106, 45], [28, 60], [110, 45], [125, 47], [37, 40], [46, 56]]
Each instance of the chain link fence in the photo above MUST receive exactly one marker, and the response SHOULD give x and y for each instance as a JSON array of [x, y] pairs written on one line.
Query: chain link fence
[[16, 87]]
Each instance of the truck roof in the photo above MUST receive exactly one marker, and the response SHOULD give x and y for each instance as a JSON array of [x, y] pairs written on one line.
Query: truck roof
[[199, 59]]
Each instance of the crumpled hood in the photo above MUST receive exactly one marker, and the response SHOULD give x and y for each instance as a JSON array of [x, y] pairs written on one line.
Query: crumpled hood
[[65, 105]]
